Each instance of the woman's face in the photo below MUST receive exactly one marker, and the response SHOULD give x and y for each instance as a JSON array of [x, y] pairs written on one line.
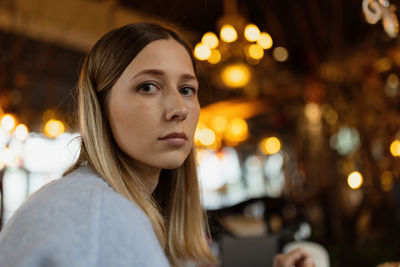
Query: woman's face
[[153, 106]]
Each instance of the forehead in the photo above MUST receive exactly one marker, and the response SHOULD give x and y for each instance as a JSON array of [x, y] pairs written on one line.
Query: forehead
[[166, 55]]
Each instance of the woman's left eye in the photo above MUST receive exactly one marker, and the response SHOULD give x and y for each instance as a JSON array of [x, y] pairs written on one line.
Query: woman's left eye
[[187, 91]]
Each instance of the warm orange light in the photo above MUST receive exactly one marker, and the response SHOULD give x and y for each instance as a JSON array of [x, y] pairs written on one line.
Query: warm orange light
[[8, 122], [355, 180], [255, 51], [312, 112], [270, 145], [387, 181], [201, 51], [206, 137], [54, 128], [251, 32], [265, 40], [219, 123], [237, 130], [237, 75], [395, 148], [21, 132], [210, 40], [215, 56], [228, 33]]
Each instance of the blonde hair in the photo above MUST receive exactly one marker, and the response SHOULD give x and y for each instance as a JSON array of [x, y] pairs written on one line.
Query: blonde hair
[[174, 209]]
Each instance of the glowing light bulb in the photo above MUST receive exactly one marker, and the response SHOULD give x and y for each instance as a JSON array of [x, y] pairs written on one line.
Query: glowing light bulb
[[54, 128], [8, 122], [255, 51], [251, 32], [237, 75], [207, 137], [265, 40], [201, 51], [395, 148], [270, 145], [237, 130], [21, 132], [355, 180], [215, 57], [210, 40], [228, 33]]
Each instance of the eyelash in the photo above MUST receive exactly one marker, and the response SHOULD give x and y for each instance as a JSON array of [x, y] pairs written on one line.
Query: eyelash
[[142, 86]]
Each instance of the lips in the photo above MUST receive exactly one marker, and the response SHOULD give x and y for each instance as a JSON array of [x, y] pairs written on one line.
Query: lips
[[174, 135], [174, 139]]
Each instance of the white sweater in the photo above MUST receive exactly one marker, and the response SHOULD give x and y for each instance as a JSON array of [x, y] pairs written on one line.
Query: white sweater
[[79, 220]]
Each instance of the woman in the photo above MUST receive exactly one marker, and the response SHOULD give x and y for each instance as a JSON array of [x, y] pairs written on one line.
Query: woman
[[132, 198]]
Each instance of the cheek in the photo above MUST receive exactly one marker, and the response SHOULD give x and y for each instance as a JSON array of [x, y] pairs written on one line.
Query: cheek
[[194, 117]]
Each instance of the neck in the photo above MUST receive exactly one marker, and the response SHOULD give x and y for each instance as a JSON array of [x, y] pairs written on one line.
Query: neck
[[149, 176]]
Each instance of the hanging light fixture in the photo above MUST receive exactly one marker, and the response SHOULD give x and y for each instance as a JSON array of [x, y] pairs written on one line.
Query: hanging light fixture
[[238, 45]]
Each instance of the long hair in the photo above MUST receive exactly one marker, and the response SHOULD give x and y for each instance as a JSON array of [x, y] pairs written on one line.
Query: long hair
[[174, 208]]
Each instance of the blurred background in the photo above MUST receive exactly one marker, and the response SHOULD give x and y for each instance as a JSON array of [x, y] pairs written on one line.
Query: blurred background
[[299, 133]]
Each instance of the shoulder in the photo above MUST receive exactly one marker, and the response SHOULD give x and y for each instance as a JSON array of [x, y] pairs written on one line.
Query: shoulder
[[76, 199], [67, 220]]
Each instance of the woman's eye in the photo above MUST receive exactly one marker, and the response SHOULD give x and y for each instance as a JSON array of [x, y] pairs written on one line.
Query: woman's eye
[[147, 88], [187, 91]]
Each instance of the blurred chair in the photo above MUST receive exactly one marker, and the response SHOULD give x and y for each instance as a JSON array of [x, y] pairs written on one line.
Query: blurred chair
[[248, 251]]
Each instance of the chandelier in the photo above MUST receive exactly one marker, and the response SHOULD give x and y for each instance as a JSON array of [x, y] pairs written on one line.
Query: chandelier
[[238, 47]]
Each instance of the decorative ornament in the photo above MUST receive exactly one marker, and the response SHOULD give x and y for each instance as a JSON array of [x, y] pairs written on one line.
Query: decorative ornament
[[375, 10]]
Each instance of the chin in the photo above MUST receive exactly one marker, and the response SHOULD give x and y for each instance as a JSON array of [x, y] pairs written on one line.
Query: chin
[[172, 165], [172, 162]]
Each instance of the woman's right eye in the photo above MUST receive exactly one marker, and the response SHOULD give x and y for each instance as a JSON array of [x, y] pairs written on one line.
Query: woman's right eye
[[147, 88]]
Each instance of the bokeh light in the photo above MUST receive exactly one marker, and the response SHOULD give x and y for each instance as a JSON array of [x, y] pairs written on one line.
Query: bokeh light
[[251, 32], [237, 75], [21, 132], [210, 39], [270, 145], [395, 148], [214, 57], [8, 122], [280, 54], [54, 128], [265, 40], [201, 51], [237, 130], [228, 33], [255, 51], [355, 180]]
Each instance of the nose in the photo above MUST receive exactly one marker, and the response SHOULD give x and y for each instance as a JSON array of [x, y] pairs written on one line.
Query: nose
[[176, 108]]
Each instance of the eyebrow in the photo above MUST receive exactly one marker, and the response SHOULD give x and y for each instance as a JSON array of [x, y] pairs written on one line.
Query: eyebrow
[[185, 76]]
